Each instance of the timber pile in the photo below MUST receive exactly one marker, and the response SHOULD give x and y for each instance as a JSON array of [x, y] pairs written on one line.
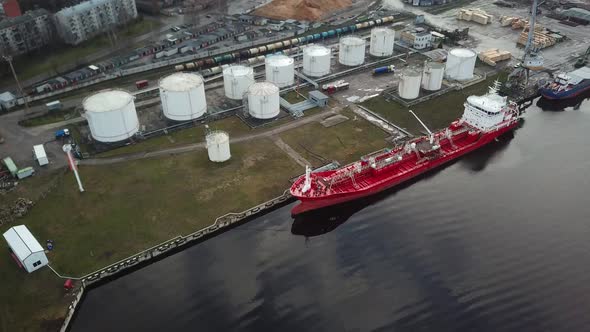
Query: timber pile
[[476, 15], [541, 38], [514, 21], [493, 56]]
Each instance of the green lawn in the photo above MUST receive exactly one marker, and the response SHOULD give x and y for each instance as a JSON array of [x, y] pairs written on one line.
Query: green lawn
[[436, 113], [233, 125], [129, 207], [344, 142], [50, 117], [31, 65]]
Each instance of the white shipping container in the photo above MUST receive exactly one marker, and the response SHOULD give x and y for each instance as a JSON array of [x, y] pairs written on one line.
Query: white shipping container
[[40, 155]]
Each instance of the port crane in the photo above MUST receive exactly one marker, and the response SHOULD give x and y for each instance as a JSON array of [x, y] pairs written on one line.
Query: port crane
[[532, 58]]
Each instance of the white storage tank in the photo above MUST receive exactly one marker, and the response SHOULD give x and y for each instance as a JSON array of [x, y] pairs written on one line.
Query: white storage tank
[[236, 80], [111, 115], [460, 64], [218, 146], [432, 76], [316, 60], [409, 84], [263, 100], [351, 51], [183, 96], [382, 41], [280, 70]]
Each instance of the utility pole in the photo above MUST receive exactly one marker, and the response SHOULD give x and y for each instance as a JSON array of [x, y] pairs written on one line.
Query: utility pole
[[8, 59]]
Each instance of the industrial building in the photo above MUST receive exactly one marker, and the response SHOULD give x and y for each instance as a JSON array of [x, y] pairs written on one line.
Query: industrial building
[[417, 38], [88, 19], [22, 34]]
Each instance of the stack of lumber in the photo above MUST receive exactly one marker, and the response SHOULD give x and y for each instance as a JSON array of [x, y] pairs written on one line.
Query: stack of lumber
[[476, 15], [541, 37], [493, 56], [510, 20]]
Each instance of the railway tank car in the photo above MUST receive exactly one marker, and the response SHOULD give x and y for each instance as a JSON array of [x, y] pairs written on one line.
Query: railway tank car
[[214, 63]]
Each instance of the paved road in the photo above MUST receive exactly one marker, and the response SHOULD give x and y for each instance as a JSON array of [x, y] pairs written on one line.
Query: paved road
[[197, 146]]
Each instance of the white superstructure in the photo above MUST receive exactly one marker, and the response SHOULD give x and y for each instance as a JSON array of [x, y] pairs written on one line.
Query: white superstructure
[[460, 64], [382, 41], [183, 96], [487, 111], [236, 80], [352, 51], [409, 84], [316, 60], [263, 100], [218, 146], [433, 75], [280, 70], [111, 115]]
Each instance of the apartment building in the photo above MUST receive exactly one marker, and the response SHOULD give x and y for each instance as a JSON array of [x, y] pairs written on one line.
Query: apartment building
[[22, 34], [88, 19]]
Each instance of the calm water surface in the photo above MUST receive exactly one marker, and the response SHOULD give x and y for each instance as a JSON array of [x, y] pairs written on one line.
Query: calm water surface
[[498, 241]]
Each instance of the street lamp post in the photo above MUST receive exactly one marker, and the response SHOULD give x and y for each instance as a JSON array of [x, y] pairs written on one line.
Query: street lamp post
[[8, 59]]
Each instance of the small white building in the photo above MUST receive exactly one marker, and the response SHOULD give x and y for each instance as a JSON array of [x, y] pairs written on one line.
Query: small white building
[[7, 101], [40, 155], [26, 248]]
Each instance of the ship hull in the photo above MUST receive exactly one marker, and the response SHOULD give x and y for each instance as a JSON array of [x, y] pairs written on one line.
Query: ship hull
[[574, 92], [314, 203]]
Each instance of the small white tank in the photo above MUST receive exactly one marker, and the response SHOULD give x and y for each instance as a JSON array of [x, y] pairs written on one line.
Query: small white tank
[[432, 76], [460, 64], [316, 61], [352, 51], [280, 70], [111, 115], [382, 41], [236, 80], [183, 96], [409, 84], [218, 146], [263, 100]]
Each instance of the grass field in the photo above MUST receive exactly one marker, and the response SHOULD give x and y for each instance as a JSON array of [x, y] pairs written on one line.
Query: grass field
[[50, 117], [436, 113], [127, 208], [233, 125], [344, 142], [31, 65]]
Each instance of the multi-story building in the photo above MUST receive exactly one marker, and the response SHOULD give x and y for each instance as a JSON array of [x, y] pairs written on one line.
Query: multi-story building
[[22, 34], [88, 19]]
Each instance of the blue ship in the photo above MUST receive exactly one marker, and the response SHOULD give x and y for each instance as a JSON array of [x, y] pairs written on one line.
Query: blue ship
[[568, 85]]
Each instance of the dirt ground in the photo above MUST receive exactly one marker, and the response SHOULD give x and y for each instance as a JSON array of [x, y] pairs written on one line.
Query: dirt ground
[[303, 10]]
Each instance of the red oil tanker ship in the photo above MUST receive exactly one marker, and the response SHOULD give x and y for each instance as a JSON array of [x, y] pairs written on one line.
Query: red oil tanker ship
[[484, 119]]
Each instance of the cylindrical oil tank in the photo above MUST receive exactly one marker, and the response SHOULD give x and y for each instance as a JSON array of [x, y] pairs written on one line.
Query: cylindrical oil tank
[[316, 60], [111, 115], [409, 84], [382, 40], [460, 64], [263, 100], [183, 96], [352, 51], [236, 80], [280, 70], [218, 146], [432, 76]]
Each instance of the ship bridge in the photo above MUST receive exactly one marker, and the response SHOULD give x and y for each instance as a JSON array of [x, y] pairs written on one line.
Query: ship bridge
[[485, 112]]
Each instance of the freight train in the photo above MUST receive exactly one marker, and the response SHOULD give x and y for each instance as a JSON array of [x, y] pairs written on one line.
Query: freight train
[[256, 54]]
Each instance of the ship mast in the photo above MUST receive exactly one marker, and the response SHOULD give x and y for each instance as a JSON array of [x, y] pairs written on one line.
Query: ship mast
[[430, 135]]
